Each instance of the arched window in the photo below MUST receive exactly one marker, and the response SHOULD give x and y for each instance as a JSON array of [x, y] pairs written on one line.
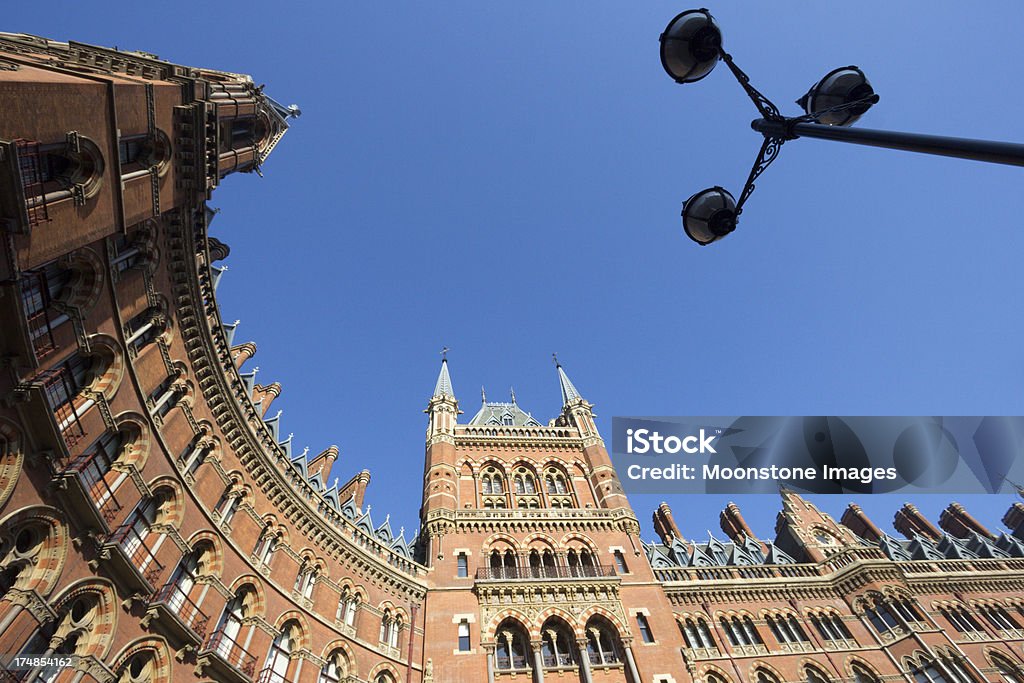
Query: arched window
[[227, 506], [183, 594], [741, 632], [813, 675], [165, 396], [75, 623], [390, 626], [926, 671], [1010, 672], [139, 669], [142, 329], [226, 638], [602, 643], [998, 617], [907, 610], [266, 545], [961, 619], [95, 469], [512, 649], [280, 655], [137, 538], [384, 677], [335, 667], [347, 606], [830, 626], [696, 633], [861, 674], [786, 629], [492, 488], [63, 387], [557, 645], [881, 617], [305, 580], [764, 676], [42, 290]]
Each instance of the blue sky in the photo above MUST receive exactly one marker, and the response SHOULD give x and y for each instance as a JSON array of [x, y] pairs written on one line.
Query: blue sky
[[505, 179]]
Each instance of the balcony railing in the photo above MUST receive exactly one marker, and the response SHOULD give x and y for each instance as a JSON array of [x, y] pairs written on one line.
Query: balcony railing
[[136, 548], [513, 663], [560, 572], [30, 168], [93, 480], [561, 659], [60, 390], [174, 599], [225, 647], [268, 675]]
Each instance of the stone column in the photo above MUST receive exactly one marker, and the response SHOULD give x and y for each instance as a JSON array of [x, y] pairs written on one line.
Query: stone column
[[634, 675], [538, 661], [490, 663], [584, 661]]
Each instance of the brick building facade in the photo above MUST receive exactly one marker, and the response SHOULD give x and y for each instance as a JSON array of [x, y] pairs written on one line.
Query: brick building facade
[[155, 524]]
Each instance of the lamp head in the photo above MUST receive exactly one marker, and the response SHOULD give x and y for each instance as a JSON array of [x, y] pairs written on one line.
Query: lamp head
[[709, 215], [839, 86], [691, 46]]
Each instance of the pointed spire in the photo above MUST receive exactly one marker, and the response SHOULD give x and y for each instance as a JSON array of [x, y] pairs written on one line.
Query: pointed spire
[[512, 390], [483, 395], [444, 380], [569, 392]]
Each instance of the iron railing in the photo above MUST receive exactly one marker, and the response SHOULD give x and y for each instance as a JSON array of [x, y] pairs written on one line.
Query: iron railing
[[36, 302], [30, 168], [268, 675], [225, 647], [543, 572], [61, 390], [94, 480], [177, 601], [552, 660], [136, 548]]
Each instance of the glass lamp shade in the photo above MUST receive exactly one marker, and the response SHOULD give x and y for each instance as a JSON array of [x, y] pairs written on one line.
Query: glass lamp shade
[[690, 46], [709, 215], [839, 86]]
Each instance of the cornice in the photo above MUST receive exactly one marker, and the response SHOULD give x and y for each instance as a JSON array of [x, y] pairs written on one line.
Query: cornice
[[251, 440]]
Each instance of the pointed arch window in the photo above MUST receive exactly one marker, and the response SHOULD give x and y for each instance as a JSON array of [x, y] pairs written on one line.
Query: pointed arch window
[[511, 648], [557, 646], [812, 675], [862, 675], [1009, 672], [334, 668], [696, 633], [602, 644], [280, 655], [830, 626]]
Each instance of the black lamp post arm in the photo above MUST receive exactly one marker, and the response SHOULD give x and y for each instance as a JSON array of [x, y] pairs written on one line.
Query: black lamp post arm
[[979, 150], [764, 105], [769, 152]]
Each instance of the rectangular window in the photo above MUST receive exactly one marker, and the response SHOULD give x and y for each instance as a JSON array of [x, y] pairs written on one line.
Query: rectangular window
[[463, 564], [463, 636], [645, 629], [620, 563]]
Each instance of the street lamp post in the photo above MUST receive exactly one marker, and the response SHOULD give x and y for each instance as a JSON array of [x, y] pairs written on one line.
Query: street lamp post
[[691, 47]]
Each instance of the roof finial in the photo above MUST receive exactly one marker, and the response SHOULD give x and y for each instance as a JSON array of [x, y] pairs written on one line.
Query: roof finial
[[483, 395], [444, 353], [512, 390], [554, 357]]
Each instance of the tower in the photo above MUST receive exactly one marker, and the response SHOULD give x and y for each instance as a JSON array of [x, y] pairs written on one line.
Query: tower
[[535, 559]]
